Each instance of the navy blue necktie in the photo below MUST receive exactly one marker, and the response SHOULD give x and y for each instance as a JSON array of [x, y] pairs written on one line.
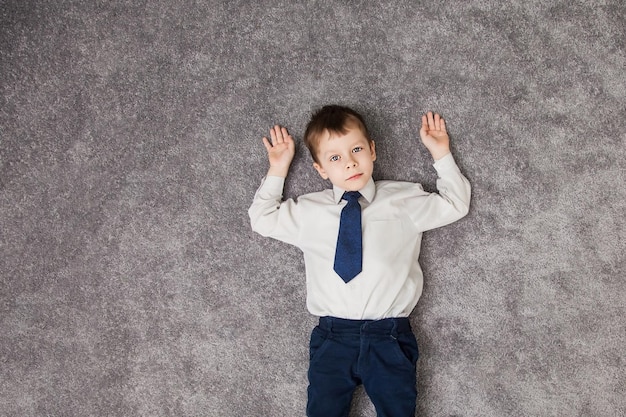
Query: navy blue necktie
[[349, 252]]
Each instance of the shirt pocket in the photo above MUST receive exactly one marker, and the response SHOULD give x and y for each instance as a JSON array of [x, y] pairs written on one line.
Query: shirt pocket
[[383, 238]]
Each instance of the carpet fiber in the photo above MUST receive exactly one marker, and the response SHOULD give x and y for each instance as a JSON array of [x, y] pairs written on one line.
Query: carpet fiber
[[130, 150]]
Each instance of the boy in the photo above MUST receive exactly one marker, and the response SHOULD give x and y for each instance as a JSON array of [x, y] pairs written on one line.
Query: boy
[[361, 255]]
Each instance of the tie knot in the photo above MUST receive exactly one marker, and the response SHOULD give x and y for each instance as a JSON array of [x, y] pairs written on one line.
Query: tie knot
[[351, 196]]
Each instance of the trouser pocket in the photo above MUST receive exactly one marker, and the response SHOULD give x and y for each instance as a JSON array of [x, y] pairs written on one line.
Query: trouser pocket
[[405, 347], [319, 341]]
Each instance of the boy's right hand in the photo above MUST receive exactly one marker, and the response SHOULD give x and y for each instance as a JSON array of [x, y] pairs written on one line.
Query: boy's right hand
[[434, 135], [280, 151]]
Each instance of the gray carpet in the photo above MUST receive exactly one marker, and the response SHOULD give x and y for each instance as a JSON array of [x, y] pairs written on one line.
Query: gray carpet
[[130, 149]]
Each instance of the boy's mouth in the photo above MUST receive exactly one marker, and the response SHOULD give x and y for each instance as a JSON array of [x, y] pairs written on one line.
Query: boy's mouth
[[354, 177]]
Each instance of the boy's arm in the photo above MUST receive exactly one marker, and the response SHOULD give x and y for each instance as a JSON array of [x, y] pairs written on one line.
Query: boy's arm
[[269, 215], [452, 201]]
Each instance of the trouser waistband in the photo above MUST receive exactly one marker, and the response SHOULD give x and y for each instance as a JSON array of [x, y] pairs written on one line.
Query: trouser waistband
[[383, 326]]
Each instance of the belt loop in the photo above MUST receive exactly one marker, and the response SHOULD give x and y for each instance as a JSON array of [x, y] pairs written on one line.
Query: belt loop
[[328, 323], [394, 329]]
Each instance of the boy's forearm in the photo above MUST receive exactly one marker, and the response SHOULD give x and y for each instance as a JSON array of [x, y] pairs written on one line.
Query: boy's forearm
[[452, 184], [440, 153], [278, 172], [272, 217]]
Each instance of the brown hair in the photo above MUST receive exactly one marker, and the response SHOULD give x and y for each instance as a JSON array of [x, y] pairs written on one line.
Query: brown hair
[[334, 119]]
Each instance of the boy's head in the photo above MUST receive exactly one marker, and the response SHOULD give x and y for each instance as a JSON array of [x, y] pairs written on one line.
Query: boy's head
[[334, 120], [341, 147]]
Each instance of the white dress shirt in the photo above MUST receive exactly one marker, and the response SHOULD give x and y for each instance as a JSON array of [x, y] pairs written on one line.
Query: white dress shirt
[[394, 215]]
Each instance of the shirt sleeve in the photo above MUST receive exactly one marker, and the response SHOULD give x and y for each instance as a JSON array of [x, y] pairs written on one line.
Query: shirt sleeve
[[450, 204], [272, 217]]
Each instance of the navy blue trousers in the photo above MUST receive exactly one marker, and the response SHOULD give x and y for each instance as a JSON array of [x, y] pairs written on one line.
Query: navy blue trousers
[[379, 354]]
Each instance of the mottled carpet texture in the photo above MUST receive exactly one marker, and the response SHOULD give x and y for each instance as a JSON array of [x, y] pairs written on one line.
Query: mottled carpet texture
[[130, 150]]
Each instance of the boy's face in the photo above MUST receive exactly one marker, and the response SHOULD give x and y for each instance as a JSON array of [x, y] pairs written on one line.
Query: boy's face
[[347, 160]]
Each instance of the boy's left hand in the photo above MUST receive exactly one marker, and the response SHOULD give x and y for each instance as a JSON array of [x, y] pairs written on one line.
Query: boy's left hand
[[434, 135]]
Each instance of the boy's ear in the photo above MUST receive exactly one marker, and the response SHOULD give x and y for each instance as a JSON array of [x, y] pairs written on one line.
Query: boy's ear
[[320, 170], [373, 150]]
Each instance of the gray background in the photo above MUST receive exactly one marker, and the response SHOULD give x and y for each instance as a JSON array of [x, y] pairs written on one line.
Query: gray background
[[132, 285]]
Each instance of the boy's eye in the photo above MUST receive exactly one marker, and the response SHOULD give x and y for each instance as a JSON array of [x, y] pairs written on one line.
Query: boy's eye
[[334, 158], [357, 149]]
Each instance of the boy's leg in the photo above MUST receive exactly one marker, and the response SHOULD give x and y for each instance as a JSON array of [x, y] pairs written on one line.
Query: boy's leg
[[331, 372], [389, 372]]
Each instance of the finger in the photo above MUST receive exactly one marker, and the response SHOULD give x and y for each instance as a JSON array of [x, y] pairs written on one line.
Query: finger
[[279, 134], [443, 125], [424, 127], [273, 135], [267, 144], [286, 136], [437, 121], [431, 121]]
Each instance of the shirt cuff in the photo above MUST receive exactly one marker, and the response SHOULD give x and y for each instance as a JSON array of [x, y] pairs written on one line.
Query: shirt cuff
[[446, 163], [271, 186]]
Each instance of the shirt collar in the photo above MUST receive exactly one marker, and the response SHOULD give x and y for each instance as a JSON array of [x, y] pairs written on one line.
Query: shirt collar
[[367, 192]]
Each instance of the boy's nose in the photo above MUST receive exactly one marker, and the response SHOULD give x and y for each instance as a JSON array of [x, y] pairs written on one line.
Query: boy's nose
[[351, 163]]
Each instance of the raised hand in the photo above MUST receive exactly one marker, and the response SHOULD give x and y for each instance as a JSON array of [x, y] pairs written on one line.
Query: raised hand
[[434, 135], [280, 151]]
